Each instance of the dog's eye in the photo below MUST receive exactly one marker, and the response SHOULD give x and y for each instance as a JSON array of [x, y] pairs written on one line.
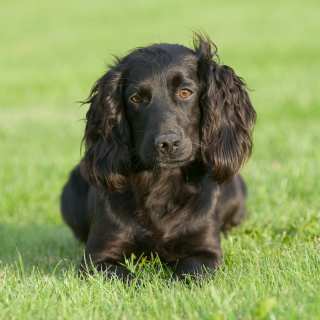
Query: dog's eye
[[184, 94], [135, 98]]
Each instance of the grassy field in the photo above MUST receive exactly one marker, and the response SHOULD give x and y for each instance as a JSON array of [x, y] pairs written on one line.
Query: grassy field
[[53, 51]]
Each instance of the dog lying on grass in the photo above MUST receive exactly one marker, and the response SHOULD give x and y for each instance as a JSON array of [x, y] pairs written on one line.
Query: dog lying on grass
[[167, 130]]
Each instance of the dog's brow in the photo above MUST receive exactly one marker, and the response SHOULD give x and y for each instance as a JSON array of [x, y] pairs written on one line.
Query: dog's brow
[[176, 79], [179, 78], [137, 86]]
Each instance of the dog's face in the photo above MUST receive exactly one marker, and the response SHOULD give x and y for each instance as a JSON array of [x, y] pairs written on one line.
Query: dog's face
[[161, 100], [163, 105]]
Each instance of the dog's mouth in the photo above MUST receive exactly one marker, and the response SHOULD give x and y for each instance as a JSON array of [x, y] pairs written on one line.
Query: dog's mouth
[[153, 161], [174, 163]]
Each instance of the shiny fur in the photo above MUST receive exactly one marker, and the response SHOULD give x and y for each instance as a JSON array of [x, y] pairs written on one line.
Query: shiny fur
[[159, 174]]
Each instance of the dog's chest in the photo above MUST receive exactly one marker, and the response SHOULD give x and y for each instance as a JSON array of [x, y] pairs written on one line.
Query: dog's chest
[[167, 228], [171, 234]]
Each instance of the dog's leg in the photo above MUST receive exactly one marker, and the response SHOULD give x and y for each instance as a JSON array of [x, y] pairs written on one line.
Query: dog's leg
[[205, 253], [106, 249]]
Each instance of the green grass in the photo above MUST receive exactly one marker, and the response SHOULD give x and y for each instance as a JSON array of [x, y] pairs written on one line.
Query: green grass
[[53, 51]]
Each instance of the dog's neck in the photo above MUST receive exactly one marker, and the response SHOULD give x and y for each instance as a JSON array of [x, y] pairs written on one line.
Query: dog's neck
[[162, 188]]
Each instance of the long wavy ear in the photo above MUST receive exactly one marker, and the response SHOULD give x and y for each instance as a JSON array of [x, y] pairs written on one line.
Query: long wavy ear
[[227, 114], [106, 136]]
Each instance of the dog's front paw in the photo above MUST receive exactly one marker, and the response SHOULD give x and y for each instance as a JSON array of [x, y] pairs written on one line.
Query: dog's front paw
[[196, 267], [109, 270]]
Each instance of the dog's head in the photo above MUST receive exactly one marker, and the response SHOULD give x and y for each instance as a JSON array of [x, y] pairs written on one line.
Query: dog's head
[[163, 106]]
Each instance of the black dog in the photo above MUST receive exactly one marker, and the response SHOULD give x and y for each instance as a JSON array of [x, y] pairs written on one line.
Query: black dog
[[167, 130]]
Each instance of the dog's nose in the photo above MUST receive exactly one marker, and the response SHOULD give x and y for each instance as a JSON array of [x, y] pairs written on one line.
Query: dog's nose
[[167, 143]]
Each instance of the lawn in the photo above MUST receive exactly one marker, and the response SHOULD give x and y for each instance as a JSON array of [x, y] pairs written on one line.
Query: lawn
[[53, 51]]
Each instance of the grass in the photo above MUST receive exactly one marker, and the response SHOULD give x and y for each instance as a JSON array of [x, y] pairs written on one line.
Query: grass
[[52, 52]]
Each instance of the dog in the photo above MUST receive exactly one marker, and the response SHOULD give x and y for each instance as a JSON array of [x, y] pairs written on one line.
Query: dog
[[167, 130]]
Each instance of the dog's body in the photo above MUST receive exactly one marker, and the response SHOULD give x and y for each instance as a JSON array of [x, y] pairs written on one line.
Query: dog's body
[[167, 131], [117, 224]]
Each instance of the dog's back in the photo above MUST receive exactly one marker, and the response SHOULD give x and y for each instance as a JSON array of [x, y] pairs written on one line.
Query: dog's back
[[231, 204], [74, 204]]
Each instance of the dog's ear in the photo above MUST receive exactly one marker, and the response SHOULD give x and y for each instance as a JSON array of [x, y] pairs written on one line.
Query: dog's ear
[[106, 137], [227, 114]]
